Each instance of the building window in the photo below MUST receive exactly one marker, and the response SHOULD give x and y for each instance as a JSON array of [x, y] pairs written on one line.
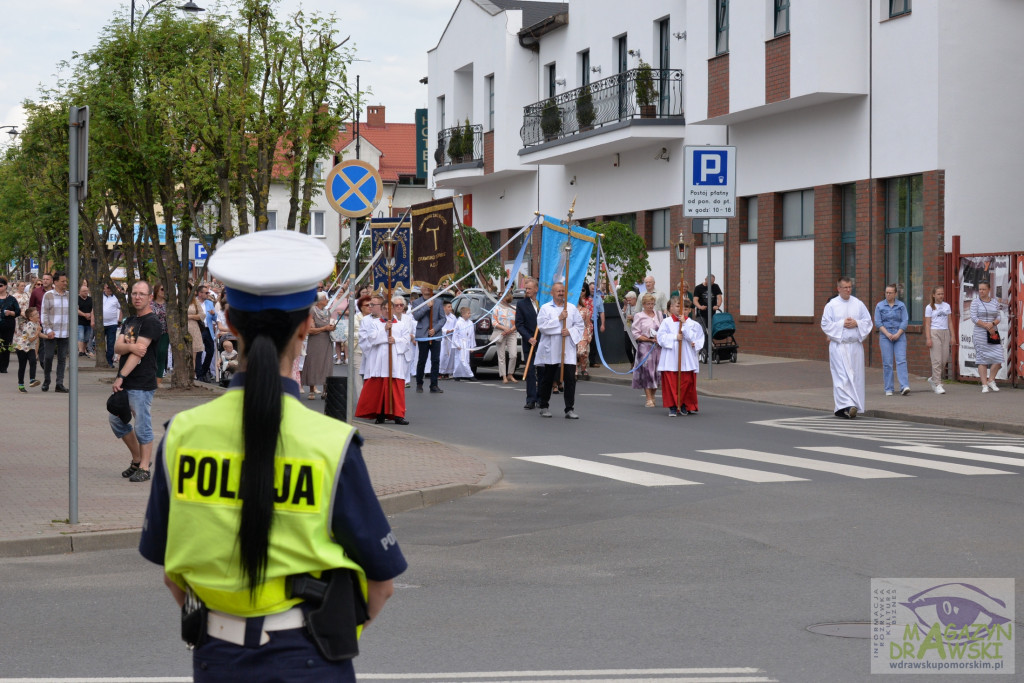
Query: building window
[[848, 242], [661, 229], [410, 181], [318, 170], [626, 218], [798, 214], [440, 112], [898, 8], [551, 79], [904, 241], [316, 218], [664, 55], [584, 68], [271, 220], [721, 27], [752, 219], [782, 17], [491, 101]]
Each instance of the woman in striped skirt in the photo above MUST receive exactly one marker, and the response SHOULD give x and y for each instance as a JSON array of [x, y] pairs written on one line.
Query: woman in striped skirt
[[988, 356]]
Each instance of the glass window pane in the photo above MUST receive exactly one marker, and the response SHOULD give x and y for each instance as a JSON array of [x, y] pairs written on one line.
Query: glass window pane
[[271, 220], [808, 212], [752, 219], [318, 223], [849, 208], [791, 214], [915, 283], [891, 203], [848, 261], [917, 200]]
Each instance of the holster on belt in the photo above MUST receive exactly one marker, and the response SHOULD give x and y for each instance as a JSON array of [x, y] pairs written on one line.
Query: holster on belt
[[193, 620], [336, 608]]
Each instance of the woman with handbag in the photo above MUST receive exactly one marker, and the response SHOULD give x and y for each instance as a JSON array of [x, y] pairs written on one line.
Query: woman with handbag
[[988, 346]]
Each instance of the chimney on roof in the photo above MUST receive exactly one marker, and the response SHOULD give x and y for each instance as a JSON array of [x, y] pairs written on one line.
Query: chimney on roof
[[375, 115]]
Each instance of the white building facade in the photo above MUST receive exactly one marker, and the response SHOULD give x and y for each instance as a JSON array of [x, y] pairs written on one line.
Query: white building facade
[[868, 134]]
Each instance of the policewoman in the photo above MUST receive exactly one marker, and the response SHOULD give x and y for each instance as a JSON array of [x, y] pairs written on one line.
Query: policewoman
[[261, 510]]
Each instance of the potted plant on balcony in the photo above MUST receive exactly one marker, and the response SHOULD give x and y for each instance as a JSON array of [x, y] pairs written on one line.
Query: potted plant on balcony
[[455, 146], [646, 93], [550, 120], [468, 151], [585, 113]]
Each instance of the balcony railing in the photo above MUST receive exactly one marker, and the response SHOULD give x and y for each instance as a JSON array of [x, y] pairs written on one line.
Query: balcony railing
[[611, 100], [464, 151]]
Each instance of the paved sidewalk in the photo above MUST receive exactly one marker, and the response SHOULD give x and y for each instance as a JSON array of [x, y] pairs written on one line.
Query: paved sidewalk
[[407, 471], [808, 384]]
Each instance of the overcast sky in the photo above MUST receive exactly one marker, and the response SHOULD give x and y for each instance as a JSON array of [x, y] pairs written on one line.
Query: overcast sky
[[393, 35]]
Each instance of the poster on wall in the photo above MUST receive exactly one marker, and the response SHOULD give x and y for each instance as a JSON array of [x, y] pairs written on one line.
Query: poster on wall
[[996, 271], [1020, 315]]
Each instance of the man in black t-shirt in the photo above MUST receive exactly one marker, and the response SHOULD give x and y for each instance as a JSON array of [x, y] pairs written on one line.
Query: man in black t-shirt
[[704, 308], [84, 320], [136, 376]]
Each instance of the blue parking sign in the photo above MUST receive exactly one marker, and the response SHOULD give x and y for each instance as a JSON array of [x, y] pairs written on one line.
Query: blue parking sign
[[200, 252], [710, 167]]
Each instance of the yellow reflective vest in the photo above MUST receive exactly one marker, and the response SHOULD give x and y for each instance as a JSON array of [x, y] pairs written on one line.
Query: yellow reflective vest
[[203, 455]]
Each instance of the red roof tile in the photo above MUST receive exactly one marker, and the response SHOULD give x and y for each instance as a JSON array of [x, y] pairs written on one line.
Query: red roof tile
[[396, 141]]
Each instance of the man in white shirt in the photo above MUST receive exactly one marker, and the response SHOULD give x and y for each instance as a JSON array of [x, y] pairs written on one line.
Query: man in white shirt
[[660, 300], [561, 328], [847, 323], [56, 329]]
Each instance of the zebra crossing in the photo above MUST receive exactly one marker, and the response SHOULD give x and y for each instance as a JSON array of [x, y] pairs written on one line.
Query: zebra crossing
[[729, 465], [896, 431]]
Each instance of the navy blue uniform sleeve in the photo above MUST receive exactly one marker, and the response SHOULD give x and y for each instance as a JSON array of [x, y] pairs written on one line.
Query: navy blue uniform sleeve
[[359, 523], [154, 529]]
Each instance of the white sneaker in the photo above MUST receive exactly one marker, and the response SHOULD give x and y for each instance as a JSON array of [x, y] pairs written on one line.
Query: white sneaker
[[938, 389], [904, 391], [931, 382], [888, 393], [984, 388], [993, 386]]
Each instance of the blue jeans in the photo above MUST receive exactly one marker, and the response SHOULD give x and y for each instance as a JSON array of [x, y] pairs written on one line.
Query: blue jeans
[[140, 402], [890, 349], [110, 331]]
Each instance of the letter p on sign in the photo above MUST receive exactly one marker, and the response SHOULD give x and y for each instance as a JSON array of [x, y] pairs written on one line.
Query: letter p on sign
[[710, 167]]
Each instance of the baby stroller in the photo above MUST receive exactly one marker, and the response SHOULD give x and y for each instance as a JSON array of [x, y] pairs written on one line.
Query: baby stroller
[[723, 340]]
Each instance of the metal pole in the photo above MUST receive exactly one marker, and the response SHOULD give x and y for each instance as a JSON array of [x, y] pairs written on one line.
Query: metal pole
[[74, 182], [353, 225], [708, 312]]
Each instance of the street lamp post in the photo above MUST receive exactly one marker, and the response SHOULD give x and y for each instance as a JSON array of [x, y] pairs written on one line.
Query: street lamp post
[[187, 7], [13, 132]]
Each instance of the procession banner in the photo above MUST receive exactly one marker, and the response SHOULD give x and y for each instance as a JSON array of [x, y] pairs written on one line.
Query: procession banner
[[401, 278], [995, 270], [552, 258], [432, 242]]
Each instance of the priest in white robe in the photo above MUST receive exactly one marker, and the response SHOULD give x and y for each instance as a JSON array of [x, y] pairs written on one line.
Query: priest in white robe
[[383, 397], [679, 338], [847, 323], [554, 337]]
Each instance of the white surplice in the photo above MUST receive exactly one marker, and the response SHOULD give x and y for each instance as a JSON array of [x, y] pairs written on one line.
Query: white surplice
[[549, 348], [373, 341], [693, 340], [463, 339], [447, 363], [846, 349]]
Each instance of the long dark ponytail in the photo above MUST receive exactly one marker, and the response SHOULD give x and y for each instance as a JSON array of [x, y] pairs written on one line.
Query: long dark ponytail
[[265, 335]]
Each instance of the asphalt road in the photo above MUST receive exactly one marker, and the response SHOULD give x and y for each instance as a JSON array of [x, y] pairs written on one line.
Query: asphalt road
[[593, 575]]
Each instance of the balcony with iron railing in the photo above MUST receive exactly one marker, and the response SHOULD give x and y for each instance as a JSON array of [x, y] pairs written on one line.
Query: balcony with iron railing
[[455, 147], [639, 96]]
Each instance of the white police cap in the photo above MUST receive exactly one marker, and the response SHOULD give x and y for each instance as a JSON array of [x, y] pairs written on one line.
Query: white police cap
[[271, 269]]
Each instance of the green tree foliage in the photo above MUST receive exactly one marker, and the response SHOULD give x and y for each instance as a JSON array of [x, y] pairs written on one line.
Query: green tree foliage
[[625, 252], [186, 116], [479, 248]]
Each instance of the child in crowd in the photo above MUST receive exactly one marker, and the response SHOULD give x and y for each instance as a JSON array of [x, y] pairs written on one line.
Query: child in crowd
[[447, 365], [228, 362], [463, 339], [26, 343], [676, 331]]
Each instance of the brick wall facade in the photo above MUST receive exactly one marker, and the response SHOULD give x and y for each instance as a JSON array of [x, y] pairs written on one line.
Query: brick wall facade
[[801, 337], [718, 86], [489, 152], [776, 69]]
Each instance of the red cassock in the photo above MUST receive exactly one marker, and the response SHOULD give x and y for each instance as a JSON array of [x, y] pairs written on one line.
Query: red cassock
[[670, 390], [372, 399]]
